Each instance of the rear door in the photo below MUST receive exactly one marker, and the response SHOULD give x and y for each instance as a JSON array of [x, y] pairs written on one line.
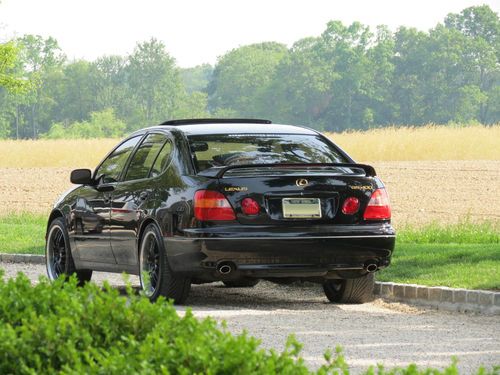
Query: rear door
[[134, 196]]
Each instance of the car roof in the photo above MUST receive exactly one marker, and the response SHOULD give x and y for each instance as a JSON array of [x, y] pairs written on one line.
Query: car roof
[[236, 128]]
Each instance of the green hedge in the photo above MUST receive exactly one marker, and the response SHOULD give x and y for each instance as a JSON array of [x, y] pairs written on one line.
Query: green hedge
[[60, 328]]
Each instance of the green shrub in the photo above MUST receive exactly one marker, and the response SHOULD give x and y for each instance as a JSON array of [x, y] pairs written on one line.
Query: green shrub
[[60, 328], [103, 124]]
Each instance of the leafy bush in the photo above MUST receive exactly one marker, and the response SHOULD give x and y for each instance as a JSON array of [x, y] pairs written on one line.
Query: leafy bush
[[103, 124], [59, 327], [49, 328]]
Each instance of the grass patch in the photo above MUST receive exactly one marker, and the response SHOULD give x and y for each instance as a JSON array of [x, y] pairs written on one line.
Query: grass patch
[[471, 266], [462, 255], [464, 232], [22, 233]]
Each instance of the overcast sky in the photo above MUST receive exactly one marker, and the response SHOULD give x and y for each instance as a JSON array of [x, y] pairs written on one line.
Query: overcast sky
[[197, 31]]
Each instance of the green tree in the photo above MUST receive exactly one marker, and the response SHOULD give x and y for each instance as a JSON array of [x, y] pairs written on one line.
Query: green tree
[[481, 28], [108, 78], [300, 91], [345, 48], [73, 91], [9, 79], [409, 58], [192, 105], [40, 57], [153, 81], [197, 78], [241, 77]]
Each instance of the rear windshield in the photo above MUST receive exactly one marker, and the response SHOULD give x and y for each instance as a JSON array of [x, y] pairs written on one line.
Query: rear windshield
[[237, 149]]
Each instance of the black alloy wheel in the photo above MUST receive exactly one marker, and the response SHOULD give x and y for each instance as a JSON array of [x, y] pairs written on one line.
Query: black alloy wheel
[[58, 257], [157, 279]]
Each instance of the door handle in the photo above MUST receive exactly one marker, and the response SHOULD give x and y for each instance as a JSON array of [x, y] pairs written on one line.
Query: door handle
[[105, 188]]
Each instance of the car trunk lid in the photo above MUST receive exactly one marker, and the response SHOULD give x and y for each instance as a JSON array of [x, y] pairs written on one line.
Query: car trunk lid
[[296, 194]]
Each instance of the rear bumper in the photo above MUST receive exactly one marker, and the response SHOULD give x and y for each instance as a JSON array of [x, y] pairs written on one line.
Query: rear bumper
[[264, 253]]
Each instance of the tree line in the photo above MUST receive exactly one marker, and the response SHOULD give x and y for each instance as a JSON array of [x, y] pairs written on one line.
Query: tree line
[[349, 77]]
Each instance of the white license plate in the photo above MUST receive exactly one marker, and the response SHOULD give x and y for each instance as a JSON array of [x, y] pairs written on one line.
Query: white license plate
[[301, 208]]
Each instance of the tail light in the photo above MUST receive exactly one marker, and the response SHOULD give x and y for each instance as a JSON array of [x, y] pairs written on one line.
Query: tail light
[[212, 205], [350, 206], [250, 207], [378, 207]]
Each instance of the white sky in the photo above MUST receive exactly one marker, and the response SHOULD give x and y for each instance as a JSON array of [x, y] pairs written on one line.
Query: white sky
[[197, 31]]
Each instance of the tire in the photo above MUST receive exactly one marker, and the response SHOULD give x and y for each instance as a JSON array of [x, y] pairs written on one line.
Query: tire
[[58, 258], [245, 282], [354, 291], [155, 274]]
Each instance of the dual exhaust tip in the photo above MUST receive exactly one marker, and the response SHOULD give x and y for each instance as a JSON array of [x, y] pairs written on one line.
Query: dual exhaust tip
[[371, 267], [225, 268]]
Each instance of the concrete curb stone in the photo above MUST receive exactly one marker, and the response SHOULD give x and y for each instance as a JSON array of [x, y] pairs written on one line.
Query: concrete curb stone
[[22, 258], [442, 298]]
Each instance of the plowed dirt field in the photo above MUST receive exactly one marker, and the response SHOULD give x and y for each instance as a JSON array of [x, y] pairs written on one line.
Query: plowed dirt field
[[420, 191]]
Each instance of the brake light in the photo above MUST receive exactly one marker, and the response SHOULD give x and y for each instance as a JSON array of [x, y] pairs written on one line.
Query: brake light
[[212, 205], [378, 207], [350, 206], [250, 206]]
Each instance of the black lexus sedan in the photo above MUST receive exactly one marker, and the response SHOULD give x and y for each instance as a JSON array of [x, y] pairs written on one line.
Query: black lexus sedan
[[232, 200]]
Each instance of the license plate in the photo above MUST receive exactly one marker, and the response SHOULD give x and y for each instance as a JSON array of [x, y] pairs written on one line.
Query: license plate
[[301, 208]]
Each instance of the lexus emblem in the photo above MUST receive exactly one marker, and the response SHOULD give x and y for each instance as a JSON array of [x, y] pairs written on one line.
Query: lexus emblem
[[301, 182]]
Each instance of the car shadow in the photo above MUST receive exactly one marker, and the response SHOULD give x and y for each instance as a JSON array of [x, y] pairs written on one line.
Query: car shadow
[[265, 296]]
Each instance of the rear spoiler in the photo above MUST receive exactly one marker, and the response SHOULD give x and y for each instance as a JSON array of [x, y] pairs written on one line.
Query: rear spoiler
[[218, 172]]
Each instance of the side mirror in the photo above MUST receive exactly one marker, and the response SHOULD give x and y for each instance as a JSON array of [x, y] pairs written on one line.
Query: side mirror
[[81, 177]]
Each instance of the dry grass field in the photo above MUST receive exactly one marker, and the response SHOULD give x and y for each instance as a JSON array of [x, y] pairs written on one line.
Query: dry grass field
[[387, 144], [433, 174], [429, 142], [72, 153]]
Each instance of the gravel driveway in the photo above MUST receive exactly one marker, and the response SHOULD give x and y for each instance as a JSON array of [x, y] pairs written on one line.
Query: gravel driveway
[[391, 333]]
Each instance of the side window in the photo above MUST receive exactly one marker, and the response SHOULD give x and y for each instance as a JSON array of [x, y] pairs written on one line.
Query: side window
[[144, 157], [113, 166], [162, 159]]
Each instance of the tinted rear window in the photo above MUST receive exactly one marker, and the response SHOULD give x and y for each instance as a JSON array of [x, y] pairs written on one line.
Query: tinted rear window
[[239, 149]]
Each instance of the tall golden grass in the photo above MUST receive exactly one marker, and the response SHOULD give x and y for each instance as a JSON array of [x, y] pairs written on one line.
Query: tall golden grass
[[54, 153], [429, 142]]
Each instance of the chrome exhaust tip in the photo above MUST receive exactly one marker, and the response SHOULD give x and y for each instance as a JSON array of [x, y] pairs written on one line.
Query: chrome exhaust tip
[[372, 267], [225, 268]]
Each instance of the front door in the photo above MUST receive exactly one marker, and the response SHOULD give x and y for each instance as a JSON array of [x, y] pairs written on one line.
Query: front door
[[91, 222], [92, 213]]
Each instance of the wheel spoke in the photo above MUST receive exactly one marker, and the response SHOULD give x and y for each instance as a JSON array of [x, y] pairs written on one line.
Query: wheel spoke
[[153, 279], [151, 248]]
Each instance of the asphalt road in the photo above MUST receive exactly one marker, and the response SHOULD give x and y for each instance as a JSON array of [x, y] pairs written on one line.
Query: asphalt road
[[378, 332]]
